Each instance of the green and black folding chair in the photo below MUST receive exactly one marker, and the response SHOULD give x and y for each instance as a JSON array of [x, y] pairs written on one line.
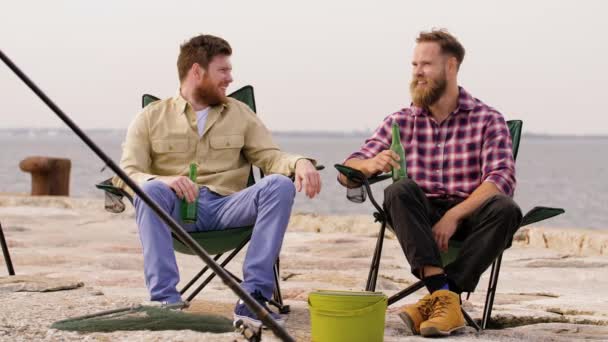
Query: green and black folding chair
[[358, 195], [215, 242]]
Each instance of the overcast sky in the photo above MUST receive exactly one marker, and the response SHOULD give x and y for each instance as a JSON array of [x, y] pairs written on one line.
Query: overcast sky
[[315, 65]]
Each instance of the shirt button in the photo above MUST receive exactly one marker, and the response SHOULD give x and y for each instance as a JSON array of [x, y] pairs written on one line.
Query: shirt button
[[437, 171], [438, 145]]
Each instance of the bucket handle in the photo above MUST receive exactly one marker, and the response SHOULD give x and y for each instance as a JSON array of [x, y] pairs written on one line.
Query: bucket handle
[[350, 313]]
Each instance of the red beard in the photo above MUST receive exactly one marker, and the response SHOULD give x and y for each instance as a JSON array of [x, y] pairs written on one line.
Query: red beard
[[209, 93], [426, 95]]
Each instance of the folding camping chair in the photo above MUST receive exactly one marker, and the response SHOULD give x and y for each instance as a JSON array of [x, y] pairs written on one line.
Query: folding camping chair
[[536, 214], [215, 242]]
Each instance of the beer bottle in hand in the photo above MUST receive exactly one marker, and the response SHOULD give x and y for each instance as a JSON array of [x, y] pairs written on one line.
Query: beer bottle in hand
[[189, 209], [398, 148]]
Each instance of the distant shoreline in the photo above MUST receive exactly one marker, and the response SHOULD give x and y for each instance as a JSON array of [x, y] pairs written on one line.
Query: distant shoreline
[[19, 132]]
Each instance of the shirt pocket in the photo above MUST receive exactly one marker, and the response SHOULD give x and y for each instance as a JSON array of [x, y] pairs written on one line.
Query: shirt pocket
[[170, 146], [226, 147], [170, 153]]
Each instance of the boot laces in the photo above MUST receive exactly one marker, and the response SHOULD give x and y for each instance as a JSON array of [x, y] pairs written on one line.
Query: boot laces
[[425, 306], [440, 306]]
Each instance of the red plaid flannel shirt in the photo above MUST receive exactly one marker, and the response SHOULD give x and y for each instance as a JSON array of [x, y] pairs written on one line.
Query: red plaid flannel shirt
[[473, 145]]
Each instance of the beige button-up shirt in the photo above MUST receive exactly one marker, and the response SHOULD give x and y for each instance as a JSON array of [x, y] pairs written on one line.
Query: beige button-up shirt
[[163, 140]]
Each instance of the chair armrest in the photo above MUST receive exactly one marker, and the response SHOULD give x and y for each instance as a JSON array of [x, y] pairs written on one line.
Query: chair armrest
[[537, 214], [107, 186], [113, 196], [362, 189], [357, 176]]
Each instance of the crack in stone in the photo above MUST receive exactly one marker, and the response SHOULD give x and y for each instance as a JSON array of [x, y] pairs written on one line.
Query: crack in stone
[[511, 321]]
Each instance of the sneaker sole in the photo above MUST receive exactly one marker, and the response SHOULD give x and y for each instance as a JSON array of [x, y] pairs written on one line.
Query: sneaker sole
[[175, 306], [253, 322], [408, 321], [432, 331]]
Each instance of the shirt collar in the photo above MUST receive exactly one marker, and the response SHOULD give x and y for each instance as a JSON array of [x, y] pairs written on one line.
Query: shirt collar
[[466, 103], [180, 102]]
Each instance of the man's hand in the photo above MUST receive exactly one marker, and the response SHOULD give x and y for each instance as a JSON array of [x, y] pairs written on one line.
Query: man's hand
[[308, 178], [382, 162], [183, 187], [444, 229]]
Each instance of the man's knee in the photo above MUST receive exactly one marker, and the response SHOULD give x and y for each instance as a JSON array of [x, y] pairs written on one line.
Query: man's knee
[[402, 190], [281, 185], [156, 190], [504, 209], [505, 206]]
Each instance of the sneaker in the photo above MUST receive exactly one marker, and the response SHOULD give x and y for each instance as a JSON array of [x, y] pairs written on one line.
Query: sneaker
[[244, 314], [446, 316], [180, 305], [414, 314]]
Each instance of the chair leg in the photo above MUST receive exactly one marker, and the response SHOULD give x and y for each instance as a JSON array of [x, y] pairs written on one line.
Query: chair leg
[[375, 266], [492, 285], [277, 290], [198, 276], [277, 301], [7, 256], [212, 275], [469, 320], [405, 292]]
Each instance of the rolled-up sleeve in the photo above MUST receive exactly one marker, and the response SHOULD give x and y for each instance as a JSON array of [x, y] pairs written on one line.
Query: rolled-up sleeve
[[498, 165], [136, 159], [378, 142]]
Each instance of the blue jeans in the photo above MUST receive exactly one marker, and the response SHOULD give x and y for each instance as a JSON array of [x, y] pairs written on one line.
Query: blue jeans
[[266, 205]]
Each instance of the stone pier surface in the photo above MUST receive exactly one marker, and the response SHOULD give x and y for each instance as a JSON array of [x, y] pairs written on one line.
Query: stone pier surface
[[73, 258]]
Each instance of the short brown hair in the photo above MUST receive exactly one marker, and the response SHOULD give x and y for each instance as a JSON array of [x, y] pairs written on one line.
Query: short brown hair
[[200, 49], [449, 44]]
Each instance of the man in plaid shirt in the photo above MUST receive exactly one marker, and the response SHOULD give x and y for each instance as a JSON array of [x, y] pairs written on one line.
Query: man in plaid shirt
[[461, 181]]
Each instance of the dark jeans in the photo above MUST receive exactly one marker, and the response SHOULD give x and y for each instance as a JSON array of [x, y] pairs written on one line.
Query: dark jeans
[[485, 233]]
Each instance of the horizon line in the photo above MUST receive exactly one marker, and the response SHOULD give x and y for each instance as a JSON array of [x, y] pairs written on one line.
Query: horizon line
[[353, 132]]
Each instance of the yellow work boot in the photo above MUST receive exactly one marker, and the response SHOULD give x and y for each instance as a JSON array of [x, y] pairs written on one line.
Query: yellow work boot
[[446, 316], [414, 314]]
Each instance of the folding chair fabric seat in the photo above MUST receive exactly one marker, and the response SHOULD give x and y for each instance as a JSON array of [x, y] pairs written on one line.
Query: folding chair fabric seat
[[216, 241]]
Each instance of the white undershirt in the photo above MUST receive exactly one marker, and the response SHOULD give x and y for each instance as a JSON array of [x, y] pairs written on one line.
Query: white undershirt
[[201, 120]]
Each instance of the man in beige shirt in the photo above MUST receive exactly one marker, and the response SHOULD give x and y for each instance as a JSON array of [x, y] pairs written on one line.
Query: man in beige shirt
[[224, 137]]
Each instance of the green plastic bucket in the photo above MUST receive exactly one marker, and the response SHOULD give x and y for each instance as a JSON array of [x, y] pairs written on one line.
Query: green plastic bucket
[[347, 316]]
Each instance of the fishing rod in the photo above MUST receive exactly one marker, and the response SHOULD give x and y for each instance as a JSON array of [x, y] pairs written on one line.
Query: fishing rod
[[258, 309]]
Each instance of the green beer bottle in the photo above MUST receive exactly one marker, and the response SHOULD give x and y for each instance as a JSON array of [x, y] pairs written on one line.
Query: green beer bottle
[[398, 148], [189, 209]]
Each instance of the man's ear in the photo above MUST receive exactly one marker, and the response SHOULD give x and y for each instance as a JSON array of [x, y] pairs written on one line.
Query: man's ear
[[452, 64], [197, 71]]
